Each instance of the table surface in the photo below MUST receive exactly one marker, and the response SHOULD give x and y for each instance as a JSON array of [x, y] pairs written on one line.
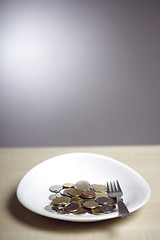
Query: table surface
[[16, 222]]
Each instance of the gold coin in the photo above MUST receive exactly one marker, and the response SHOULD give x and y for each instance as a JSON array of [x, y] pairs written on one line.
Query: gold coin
[[80, 211], [111, 202], [74, 192], [100, 194], [90, 204], [99, 188], [88, 194], [97, 211], [77, 200], [71, 207], [60, 201], [68, 185]]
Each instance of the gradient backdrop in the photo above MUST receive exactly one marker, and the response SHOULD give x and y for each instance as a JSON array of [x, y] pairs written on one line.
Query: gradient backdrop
[[79, 72]]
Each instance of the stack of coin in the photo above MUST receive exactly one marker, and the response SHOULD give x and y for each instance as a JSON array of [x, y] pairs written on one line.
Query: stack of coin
[[80, 198]]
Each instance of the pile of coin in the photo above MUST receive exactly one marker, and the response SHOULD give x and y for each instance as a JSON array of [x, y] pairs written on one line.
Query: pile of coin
[[80, 198]]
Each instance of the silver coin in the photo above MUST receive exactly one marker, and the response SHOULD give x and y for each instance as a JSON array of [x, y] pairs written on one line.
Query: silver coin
[[50, 208], [58, 194], [107, 209], [53, 196], [82, 185], [55, 188], [64, 192]]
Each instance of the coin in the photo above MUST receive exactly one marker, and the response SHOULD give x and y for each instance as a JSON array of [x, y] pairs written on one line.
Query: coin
[[99, 188], [102, 200], [100, 194], [60, 201], [90, 204], [82, 185], [111, 202], [50, 208], [97, 211], [71, 207], [88, 194], [55, 188], [53, 196], [62, 211], [107, 209], [68, 185], [80, 211], [77, 200], [74, 192], [64, 192]]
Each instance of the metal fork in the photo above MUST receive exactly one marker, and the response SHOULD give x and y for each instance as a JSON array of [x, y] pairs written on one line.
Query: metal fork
[[115, 191]]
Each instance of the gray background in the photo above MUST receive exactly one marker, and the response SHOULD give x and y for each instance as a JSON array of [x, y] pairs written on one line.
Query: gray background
[[79, 72]]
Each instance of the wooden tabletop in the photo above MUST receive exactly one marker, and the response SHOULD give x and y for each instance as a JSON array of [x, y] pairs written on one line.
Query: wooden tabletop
[[16, 222]]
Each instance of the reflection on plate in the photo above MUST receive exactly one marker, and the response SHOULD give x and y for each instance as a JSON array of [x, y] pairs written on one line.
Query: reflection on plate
[[33, 189]]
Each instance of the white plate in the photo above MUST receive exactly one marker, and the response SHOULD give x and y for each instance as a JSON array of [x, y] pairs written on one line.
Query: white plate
[[33, 189]]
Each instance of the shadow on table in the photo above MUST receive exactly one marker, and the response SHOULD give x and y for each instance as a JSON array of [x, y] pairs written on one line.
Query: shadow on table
[[36, 221]]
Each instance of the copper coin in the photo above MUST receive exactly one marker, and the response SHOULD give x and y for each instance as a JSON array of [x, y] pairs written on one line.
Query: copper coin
[[97, 211], [71, 207], [90, 204], [102, 200], [88, 194]]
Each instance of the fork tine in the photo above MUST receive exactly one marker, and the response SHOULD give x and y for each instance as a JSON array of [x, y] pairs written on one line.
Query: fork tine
[[118, 186], [108, 190], [114, 185], [111, 187]]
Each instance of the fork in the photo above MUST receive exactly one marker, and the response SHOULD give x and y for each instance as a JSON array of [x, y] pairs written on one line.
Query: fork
[[116, 192]]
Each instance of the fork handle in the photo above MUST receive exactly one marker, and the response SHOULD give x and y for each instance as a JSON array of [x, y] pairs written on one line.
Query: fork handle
[[123, 210]]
